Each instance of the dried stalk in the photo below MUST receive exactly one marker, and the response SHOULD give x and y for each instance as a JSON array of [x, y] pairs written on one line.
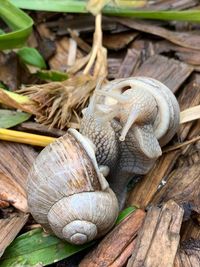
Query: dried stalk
[[59, 104]]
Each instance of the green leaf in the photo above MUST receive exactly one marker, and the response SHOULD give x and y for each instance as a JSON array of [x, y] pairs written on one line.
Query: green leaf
[[1, 32], [19, 22], [36, 247], [125, 213], [51, 75], [32, 57], [78, 6], [52, 5], [10, 118]]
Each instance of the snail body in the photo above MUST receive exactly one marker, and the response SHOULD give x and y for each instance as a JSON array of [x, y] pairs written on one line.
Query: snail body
[[144, 115], [67, 192]]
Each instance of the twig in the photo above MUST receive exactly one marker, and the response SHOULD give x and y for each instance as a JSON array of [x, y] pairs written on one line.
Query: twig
[[177, 146]]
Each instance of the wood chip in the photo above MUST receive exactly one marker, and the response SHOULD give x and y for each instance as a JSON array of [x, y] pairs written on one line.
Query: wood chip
[[190, 114], [119, 40], [129, 64], [109, 251], [12, 193], [60, 59], [169, 71], [145, 189], [190, 230], [113, 67], [38, 128], [9, 228], [188, 255], [184, 39], [158, 239], [15, 161], [183, 186]]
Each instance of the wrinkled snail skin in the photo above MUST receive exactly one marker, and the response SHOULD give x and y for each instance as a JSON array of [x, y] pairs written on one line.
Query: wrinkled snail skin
[[144, 114], [67, 193]]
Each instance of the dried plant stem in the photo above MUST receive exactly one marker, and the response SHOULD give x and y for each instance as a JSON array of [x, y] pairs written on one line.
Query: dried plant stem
[[190, 114], [177, 146], [97, 43], [25, 138]]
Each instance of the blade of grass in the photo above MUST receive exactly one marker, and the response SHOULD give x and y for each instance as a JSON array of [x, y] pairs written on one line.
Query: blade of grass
[[31, 56], [19, 22], [80, 7]]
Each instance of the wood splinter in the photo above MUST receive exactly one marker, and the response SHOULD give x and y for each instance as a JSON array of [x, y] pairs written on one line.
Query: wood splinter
[[158, 239], [115, 249]]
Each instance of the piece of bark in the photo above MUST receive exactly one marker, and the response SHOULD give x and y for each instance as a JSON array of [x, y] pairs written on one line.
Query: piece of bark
[[80, 42], [149, 48], [109, 250], [113, 67], [190, 230], [12, 193], [119, 40], [60, 59], [129, 64], [144, 190], [191, 154], [9, 228], [169, 71], [188, 255], [189, 97], [124, 256], [183, 186], [16, 161], [158, 239], [184, 39]]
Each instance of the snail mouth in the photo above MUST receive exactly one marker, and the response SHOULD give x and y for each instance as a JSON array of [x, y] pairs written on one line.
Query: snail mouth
[[79, 232]]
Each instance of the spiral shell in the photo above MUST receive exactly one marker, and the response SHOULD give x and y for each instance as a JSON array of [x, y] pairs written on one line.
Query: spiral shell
[[67, 193]]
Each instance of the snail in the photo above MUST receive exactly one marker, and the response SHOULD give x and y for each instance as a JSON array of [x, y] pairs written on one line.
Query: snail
[[68, 193], [122, 131], [129, 120]]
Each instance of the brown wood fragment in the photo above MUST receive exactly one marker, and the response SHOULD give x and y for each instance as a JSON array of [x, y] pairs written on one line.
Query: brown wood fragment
[[119, 40], [124, 256], [183, 186], [60, 59], [113, 67], [158, 239], [188, 55], [190, 230], [169, 71], [80, 42], [145, 189], [129, 64], [185, 39], [9, 228], [37, 128], [15, 161], [12, 193], [115, 244], [188, 255]]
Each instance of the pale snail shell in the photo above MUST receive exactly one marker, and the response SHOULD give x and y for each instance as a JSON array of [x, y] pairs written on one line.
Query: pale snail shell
[[68, 194]]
